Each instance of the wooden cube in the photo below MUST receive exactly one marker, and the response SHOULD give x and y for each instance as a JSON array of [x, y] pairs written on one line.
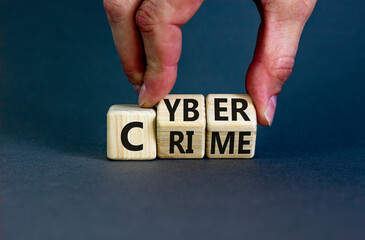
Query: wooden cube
[[181, 126], [231, 126], [131, 133]]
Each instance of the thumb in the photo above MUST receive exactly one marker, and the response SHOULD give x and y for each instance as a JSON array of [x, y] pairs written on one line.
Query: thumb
[[276, 47]]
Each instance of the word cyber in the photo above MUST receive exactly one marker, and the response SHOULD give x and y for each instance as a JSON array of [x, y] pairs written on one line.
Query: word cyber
[[184, 126]]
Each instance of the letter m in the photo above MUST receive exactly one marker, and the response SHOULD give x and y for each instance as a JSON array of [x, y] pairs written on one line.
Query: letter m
[[222, 148]]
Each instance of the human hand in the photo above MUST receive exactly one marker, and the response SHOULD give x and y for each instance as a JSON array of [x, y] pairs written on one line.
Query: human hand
[[148, 39]]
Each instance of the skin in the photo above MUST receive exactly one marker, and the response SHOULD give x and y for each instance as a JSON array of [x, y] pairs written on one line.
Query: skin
[[148, 39]]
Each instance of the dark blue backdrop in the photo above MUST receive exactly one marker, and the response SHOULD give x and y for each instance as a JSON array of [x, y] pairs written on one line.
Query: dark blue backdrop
[[59, 73]]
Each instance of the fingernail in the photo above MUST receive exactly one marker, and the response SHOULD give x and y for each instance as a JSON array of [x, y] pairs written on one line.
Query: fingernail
[[142, 94], [137, 88], [270, 109]]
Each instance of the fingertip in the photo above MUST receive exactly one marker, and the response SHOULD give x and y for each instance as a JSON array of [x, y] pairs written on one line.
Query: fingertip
[[265, 106], [264, 96], [157, 84], [137, 88], [265, 114], [148, 99], [142, 101], [270, 110]]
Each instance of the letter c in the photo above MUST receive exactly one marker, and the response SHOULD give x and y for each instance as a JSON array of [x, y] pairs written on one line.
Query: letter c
[[124, 136]]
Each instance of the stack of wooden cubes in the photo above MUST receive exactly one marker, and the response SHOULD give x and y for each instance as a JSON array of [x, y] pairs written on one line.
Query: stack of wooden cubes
[[185, 126]]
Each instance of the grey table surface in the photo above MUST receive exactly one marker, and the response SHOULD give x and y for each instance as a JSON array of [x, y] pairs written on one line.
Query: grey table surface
[[59, 73]]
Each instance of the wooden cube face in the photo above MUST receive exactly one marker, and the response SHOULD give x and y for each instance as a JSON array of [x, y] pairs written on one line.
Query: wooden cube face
[[131, 133], [231, 126], [181, 126]]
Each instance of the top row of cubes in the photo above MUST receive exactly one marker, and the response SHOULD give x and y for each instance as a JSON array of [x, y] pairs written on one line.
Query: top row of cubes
[[223, 126]]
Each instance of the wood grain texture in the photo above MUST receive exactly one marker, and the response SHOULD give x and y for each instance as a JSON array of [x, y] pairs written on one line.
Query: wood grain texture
[[139, 141], [181, 124], [231, 126]]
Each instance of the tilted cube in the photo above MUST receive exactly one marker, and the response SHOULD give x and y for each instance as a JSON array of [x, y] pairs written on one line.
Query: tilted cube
[[131, 133], [181, 126], [231, 126]]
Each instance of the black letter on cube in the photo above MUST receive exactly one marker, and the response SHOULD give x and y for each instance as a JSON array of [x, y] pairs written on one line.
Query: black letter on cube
[[124, 136], [178, 142], [222, 148], [242, 142], [172, 109], [192, 109], [241, 110]]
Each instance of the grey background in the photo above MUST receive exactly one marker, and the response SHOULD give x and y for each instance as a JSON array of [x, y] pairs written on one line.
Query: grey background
[[59, 73]]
